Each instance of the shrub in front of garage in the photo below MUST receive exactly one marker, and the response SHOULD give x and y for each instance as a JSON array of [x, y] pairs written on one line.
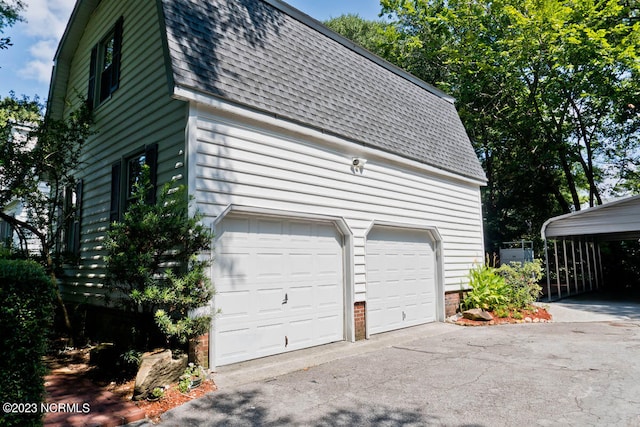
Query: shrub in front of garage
[[153, 259]]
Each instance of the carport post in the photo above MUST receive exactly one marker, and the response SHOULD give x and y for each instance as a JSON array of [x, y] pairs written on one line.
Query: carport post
[[555, 252], [546, 259], [595, 265], [584, 285], [566, 266], [586, 245], [600, 262], [575, 270]]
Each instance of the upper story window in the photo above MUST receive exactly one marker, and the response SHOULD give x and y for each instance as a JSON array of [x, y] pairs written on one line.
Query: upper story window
[[104, 71]]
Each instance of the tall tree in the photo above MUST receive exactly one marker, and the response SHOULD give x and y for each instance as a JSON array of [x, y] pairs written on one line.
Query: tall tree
[[547, 90], [37, 169], [371, 35]]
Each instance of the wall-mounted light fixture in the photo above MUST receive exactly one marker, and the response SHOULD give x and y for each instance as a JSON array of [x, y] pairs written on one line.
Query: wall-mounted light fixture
[[358, 163]]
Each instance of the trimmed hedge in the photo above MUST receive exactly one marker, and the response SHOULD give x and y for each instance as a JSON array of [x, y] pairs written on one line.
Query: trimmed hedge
[[26, 314]]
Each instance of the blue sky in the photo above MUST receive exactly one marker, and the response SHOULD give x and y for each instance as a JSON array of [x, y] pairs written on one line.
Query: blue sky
[[26, 66]]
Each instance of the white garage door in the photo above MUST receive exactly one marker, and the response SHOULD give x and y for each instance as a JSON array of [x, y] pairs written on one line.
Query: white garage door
[[279, 286], [401, 285]]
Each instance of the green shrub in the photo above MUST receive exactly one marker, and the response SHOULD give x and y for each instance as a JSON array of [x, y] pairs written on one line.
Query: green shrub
[[510, 287], [522, 280], [153, 258], [489, 290], [502, 312], [26, 314]]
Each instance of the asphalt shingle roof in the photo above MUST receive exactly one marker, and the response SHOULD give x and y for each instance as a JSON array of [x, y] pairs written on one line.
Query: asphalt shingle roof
[[267, 56]]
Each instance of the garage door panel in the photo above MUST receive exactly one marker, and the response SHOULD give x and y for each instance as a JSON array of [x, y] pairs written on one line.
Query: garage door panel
[[290, 273], [270, 338], [234, 303], [231, 265], [400, 278], [229, 345], [269, 302]]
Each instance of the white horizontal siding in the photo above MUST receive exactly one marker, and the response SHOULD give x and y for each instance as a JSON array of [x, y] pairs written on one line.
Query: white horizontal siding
[[240, 163]]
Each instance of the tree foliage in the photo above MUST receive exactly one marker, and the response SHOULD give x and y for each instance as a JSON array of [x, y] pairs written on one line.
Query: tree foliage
[[371, 35], [26, 314], [9, 15], [38, 159], [152, 257], [547, 91]]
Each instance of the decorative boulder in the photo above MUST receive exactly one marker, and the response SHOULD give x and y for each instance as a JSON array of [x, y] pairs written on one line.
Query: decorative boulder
[[157, 369], [477, 314]]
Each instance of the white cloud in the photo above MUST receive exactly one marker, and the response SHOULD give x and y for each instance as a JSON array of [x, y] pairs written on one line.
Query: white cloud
[[45, 21], [39, 67], [47, 18]]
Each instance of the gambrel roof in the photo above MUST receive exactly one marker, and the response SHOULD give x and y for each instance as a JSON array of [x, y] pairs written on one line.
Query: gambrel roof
[[270, 57]]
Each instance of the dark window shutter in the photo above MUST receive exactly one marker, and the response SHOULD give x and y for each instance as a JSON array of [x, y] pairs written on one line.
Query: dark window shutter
[[77, 219], [65, 215], [151, 159], [115, 192], [117, 49], [92, 78]]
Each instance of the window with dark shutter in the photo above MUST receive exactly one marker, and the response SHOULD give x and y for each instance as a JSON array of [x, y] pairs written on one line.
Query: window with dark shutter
[[126, 173], [92, 78], [151, 158], [104, 72], [114, 214], [77, 220], [70, 214]]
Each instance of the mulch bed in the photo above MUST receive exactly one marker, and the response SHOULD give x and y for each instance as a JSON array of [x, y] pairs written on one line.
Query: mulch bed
[[172, 398], [75, 362], [537, 315]]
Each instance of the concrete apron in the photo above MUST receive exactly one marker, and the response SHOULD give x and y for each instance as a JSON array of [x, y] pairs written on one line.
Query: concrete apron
[[592, 308], [579, 309], [273, 366]]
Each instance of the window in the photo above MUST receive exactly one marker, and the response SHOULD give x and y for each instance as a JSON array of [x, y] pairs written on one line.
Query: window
[[134, 174], [6, 234], [124, 176], [72, 211], [104, 71]]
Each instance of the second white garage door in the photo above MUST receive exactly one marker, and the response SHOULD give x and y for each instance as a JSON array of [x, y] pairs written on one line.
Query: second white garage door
[[279, 286], [401, 278]]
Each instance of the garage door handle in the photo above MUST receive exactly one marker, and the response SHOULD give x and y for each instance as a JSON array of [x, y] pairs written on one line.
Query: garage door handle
[[286, 298]]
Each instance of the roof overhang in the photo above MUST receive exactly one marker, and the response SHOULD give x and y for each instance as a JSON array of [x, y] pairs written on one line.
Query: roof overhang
[[617, 220], [66, 48]]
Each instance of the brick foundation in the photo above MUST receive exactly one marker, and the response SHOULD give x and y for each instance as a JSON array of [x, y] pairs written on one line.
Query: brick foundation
[[452, 302], [199, 351], [359, 314]]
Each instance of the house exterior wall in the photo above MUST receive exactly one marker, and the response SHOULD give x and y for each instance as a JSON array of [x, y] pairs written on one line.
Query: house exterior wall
[[140, 112], [240, 161]]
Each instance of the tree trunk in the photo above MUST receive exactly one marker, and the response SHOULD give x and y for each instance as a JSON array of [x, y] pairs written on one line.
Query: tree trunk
[[63, 307], [562, 153]]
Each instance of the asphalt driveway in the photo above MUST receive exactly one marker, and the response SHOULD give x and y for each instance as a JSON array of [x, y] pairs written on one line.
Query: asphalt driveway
[[557, 374]]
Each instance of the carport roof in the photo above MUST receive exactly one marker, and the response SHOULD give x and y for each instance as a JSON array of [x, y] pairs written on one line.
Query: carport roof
[[616, 220]]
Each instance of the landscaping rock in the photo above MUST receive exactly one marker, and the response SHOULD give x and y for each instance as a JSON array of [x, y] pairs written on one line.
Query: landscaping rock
[[477, 314], [156, 370], [454, 318]]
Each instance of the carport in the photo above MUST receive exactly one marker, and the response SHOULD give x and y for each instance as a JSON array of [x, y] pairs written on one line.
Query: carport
[[572, 244]]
